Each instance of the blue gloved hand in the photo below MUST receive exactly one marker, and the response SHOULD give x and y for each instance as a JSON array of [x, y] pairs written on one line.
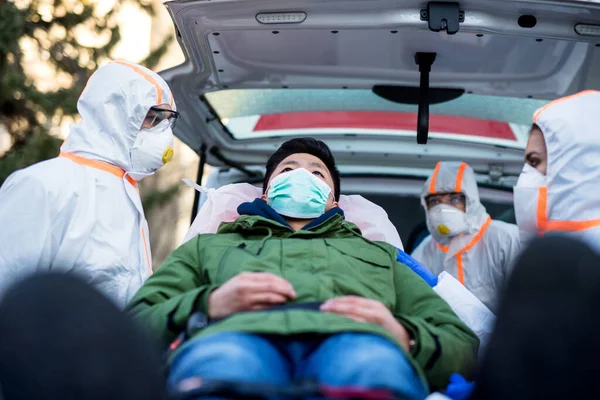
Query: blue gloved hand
[[459, 388], [419, 269]]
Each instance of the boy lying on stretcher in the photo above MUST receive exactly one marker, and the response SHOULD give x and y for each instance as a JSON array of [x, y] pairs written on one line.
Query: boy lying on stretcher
[[293, 291]]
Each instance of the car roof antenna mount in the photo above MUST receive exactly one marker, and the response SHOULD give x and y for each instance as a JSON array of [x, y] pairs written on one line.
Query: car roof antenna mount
[[424, 61]]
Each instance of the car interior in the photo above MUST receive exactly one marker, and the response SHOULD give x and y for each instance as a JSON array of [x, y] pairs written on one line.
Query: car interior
[[399, 197], [392, 87]]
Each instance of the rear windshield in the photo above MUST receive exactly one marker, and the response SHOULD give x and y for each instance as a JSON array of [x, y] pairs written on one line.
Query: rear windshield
[[260, 113]]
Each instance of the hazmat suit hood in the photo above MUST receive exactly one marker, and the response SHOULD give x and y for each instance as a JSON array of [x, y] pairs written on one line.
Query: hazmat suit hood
[[81, 212], [455, 177], [569, 201], [480, 252], [113, 107]]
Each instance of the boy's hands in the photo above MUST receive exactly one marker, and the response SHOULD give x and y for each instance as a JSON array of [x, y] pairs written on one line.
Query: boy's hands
[[368, 310], [249, 291]]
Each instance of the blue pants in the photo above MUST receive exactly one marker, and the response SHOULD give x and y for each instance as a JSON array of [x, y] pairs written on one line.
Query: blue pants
[[345, 359]]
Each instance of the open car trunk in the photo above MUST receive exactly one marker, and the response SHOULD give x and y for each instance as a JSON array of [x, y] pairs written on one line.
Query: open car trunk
[[495, 63]]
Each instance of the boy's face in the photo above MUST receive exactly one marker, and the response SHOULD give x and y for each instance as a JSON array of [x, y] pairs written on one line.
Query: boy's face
[[313, 165]]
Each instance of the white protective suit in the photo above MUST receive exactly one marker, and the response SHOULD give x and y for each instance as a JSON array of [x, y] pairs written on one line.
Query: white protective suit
[[480, 258], [82, 211], [567, 199]]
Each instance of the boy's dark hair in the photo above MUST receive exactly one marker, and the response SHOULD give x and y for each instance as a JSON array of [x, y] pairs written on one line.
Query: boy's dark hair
[[309, 146]]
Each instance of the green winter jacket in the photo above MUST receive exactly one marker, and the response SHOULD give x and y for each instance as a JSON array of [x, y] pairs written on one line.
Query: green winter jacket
[[328, 260]]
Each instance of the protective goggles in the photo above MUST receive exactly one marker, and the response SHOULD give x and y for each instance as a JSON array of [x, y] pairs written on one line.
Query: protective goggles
[[445, 198], [156, 115]]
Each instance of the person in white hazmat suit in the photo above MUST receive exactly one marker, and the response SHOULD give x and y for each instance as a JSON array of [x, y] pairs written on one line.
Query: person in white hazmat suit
[[465, 242], [81, 212], [558, 189]]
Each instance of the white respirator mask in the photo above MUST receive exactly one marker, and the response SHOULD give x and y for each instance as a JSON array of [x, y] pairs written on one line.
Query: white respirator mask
[[153, 148], [526, 197], [446, 221]]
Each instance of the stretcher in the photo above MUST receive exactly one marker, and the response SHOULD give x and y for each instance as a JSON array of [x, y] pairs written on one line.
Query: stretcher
[[221, 206]]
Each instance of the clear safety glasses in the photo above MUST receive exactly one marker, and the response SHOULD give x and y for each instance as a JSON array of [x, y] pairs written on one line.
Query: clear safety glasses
[[156, 115], [445, 198]]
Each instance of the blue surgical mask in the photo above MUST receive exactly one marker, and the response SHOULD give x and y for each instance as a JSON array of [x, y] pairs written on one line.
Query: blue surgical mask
[[298, 194]]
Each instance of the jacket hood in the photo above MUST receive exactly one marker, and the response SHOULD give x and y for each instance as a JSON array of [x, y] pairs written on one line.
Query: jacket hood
[[571, 129], [112, 107], [455, 177], [257, 217]]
